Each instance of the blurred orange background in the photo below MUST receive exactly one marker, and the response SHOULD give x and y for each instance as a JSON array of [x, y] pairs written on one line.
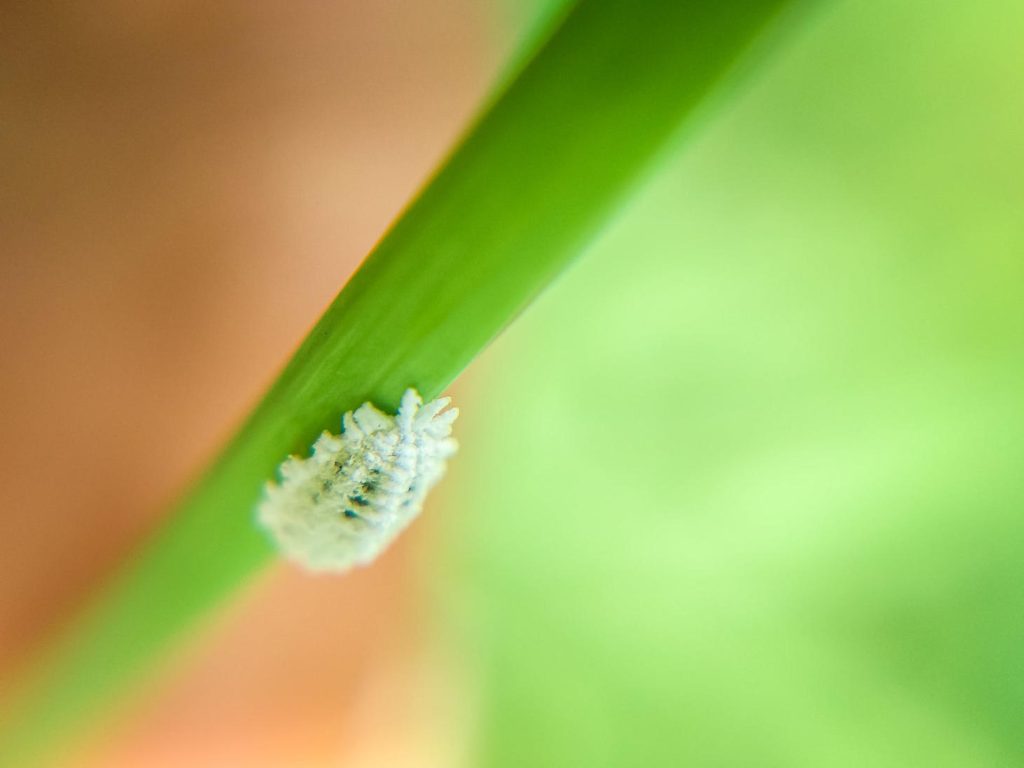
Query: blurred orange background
[[186, 186]]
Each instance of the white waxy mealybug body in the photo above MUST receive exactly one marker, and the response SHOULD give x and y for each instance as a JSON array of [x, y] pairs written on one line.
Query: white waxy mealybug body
[[345, 503]]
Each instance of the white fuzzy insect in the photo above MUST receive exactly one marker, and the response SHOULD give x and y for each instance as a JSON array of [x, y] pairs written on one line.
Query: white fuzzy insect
[[345, 503]]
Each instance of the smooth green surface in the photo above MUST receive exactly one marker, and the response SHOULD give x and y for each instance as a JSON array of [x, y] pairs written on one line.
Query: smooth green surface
[[509, 210], [748, 491]]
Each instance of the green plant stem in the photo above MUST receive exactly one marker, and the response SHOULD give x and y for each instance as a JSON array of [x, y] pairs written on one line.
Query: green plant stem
[[512, 206]]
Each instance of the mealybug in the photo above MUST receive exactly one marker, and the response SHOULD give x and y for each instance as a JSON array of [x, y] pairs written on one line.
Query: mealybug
[[345, 503]]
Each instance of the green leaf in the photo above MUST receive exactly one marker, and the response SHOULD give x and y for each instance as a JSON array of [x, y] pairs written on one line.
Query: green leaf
[[527, 188]]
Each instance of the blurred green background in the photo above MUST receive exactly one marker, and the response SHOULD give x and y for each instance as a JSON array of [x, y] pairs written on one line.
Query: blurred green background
[[745, 487]]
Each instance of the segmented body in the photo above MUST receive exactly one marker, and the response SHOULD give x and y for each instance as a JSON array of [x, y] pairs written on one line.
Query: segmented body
[[345, 503]]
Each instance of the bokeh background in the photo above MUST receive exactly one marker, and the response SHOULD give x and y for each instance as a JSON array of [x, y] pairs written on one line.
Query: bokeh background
[[744, 488]]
